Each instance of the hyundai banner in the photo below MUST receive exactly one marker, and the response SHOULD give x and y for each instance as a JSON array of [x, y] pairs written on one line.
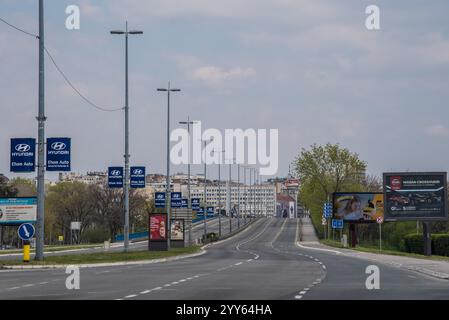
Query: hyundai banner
[[184, 203], [137, 177], [159, 199], [176, 200], [196, 204], [415, 196], [23, 155], [58, 154], [115, 177]]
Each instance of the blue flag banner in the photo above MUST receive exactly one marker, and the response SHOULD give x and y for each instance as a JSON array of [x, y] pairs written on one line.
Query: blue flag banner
[[115, 177], [176, 200], [58, 154], [137, 177], [159, 199], [23, 155], [196, 204]]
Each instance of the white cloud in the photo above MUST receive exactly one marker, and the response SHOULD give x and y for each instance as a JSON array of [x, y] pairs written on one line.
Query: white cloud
[[213, 75], [437, 130]]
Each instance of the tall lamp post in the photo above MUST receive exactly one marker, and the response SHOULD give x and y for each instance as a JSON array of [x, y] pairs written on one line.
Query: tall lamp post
[[189, 205], [219, 193], [126, 182], [167, 188]]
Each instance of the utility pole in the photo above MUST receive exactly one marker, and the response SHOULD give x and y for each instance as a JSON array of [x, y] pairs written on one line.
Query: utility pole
[[126, 182], [189, 205], [40, 237], [167, 181]]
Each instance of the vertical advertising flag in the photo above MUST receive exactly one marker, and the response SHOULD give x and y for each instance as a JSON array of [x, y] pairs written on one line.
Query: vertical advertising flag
[[115, 177], [184, 203], [158, 227], [210, 212], [195, 204], [159, 199], [137, 177], [58, 154], [23, 155], [176, 200]]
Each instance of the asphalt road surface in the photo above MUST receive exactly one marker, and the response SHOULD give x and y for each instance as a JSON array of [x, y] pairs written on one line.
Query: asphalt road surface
[[262, 262]]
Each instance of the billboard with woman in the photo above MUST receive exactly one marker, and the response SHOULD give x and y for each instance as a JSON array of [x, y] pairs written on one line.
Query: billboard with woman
[[358, 206]]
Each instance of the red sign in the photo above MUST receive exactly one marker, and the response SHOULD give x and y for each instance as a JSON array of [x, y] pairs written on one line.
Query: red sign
[[380, 220], [396, 183], [158, 227]]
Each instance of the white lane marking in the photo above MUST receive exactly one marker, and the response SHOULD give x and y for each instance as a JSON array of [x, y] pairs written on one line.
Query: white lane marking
[[175, 282], [145, 292], [249, 260], [306, 289], [324, 267], [158, 288], [237, 264], [298, 297], [27, 285], [182, 280], [319, 249], [303, 292], [131, 296], [13, 288], [45, 282]]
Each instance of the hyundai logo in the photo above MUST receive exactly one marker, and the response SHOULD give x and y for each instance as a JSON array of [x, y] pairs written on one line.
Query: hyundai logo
[[138, 171], [160, 196], [58, 146], [22, 147], [116, 173]]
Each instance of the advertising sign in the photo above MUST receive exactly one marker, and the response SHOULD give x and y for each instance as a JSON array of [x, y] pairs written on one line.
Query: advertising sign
[[159, 199], [358, 206], [115, 177], [58, 154], [158, 227], [196, 204], [176, 200], [23, 155], [210, 212], [177, 230], [415, 196], [18, 210], [184, 203], [137, 177]]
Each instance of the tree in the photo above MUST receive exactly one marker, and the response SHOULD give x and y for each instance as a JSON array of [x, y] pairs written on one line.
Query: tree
[[24, 187], [6, 190], [323, 170]]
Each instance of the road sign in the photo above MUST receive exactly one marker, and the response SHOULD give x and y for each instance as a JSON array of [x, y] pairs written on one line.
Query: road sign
[[380, 220], [75, 225], [159, 199], [115, 177], [337, 224], [176, 200], [137, 177], [26, 231], [327, 210], [58, 154], [23, 155]]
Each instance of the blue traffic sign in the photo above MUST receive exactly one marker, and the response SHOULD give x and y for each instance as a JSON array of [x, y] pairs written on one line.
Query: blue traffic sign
[[26, 231], [58, 154], [337, 224], [159, 200], [137, 177], [23, 155]]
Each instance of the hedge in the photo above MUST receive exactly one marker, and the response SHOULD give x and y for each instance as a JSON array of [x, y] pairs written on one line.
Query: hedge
[[413, 243]]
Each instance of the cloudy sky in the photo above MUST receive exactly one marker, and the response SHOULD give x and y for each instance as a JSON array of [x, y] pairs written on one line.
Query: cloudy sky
[[308, 68]]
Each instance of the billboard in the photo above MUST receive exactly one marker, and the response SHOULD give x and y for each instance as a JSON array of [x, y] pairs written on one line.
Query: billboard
[[23, 155], [361, 207], [15, 211], [177, 230], [415, 196], [58, 154], [137, 177], [158, 227], [159, 199], [115, 177]]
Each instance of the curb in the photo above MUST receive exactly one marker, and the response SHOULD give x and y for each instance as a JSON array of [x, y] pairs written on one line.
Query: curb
[[111, 264], [359, 254]]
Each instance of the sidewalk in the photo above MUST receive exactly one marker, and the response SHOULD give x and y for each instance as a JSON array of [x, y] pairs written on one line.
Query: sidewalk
[[434, 268]]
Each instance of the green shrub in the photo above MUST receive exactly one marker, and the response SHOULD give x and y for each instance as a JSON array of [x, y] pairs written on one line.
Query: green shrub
[[413, 243], [440, 244]]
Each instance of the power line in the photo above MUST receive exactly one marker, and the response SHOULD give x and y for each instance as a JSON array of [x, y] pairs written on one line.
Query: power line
[[61, 72], [18, 29], [76, 90]]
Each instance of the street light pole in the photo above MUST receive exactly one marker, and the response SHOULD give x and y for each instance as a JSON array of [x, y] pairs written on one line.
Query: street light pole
[[189, 205], [41, 141], [126, 182], [238, 196], [167, 181], [219, 193], [205, 195]]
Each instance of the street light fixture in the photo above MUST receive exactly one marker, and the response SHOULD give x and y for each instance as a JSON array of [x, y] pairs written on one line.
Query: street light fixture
[[126, 183], [167, 187]]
